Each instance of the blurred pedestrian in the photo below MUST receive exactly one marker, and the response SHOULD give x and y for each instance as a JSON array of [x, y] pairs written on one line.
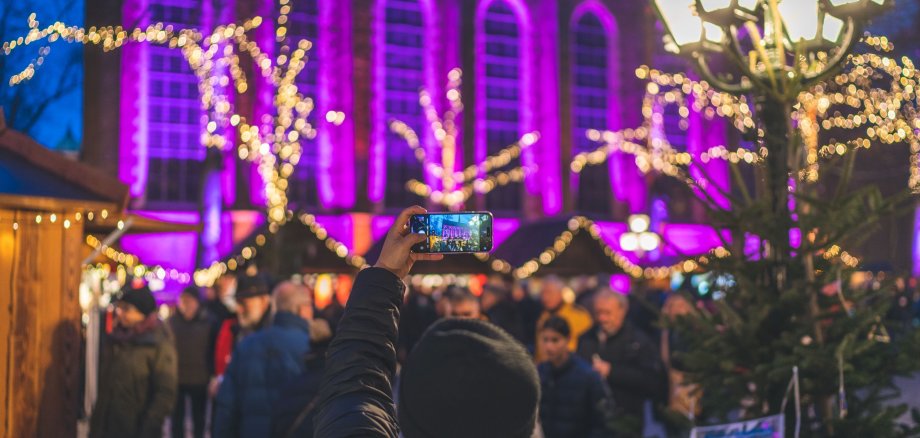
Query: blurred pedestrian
[[264, 364], [463, 304], [530, 310], [683, 401], [465, 377], [137, 373], [253, 301], [191, 329], [626, 359], [555, 305], [498, 308], [223, 305], [574, 400]]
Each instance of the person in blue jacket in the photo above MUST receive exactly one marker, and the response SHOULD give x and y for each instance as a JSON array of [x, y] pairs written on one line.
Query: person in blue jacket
[[263, 365], [575, 401]]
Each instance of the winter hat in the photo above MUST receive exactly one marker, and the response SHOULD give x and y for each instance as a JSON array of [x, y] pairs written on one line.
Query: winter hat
[[141, 298], [468, 378], [193, 292], [248, 286]]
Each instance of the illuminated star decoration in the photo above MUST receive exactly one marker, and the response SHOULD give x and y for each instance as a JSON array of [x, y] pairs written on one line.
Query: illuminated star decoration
[[457, 186]]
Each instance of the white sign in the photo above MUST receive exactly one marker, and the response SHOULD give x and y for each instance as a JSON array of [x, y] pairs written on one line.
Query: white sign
[[766, 427]]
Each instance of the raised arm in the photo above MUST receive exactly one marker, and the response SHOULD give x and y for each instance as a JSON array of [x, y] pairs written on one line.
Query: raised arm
[[356, 396]]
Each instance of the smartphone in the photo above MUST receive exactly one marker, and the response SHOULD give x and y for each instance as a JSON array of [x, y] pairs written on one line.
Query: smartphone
[[453, 233]]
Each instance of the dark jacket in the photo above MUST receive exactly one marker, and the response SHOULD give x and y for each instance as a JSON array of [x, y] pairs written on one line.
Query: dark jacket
[[137, 382], [574, 402], [636, 372], [297, 406], [192, 340], [505, 315], [263, 365], [356, 395]]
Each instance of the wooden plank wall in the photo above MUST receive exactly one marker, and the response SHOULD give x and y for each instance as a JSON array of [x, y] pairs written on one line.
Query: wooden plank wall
[[40, 339]]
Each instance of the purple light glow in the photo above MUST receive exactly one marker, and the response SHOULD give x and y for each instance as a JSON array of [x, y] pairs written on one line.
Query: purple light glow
[[224, 14], [336, 182], [620, 283], [614, 122], [377, 169], [526, 122], [380, 225], [916, 242], [132, 157], [169, 250], [339, 227], [680, 239], [262, 108], [692, 239], [546, 68], [502, 228]]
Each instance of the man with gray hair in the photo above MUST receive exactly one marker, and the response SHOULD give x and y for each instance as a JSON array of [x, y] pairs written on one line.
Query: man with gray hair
[[625, 358], [264, 364]]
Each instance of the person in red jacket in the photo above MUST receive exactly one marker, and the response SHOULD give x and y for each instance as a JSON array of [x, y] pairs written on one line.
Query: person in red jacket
[[254, 301]]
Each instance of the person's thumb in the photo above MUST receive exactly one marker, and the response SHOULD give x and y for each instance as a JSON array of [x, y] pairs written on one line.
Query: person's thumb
[[417, 238]]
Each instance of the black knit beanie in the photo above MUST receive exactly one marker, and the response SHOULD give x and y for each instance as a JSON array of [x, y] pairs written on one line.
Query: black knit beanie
[[468, 378], [141, 298]]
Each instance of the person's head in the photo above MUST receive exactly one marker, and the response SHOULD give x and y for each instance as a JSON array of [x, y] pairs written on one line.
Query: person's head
[[492, 294], [189, 302], [610, 310], [226, 286], [554, 340], [209, 293], [551, 293], [676, 305], [252, 294], [463, 304], [134, 306], [468, 378], [293, 298], [518, 291]]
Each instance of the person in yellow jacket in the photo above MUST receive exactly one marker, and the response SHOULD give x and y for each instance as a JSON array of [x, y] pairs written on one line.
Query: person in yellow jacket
[[554, 305]]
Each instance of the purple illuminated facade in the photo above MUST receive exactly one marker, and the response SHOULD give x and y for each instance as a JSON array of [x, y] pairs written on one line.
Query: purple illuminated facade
[[559, 68]]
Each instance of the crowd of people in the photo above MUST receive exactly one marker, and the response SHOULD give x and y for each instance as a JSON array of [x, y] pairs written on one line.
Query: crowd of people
[[248, 358]]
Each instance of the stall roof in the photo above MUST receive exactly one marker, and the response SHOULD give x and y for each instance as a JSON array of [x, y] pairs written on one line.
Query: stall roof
[[583, 255], [293, 249], [35, 178]]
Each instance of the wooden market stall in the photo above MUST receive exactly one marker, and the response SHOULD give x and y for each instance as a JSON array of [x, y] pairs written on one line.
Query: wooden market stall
[[45, 199]]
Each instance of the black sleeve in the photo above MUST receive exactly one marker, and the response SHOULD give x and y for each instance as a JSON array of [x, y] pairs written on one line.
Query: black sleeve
[[643, 373], [356, 395]]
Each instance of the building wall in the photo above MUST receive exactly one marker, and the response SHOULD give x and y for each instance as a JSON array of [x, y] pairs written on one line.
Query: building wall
[[525, 65]]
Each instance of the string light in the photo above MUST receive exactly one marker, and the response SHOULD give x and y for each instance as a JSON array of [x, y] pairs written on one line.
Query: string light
[[851, 101], [580, 224], [211, 57], [445, 132], [207, 276], [130, 263]]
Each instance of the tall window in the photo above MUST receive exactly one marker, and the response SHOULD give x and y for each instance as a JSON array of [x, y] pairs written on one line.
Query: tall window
[[303, 23], [591, 90], [175, 116], [502, 82], [403, 75]]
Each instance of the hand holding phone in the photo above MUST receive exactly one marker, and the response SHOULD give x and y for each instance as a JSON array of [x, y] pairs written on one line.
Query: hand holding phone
[[396, 255], [453, 233]]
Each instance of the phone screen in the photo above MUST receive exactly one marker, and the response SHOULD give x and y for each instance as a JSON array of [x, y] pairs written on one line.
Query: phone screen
[[453, 232]]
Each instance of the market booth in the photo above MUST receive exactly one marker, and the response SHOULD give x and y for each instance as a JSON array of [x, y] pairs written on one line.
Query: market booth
[[45, 199]]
